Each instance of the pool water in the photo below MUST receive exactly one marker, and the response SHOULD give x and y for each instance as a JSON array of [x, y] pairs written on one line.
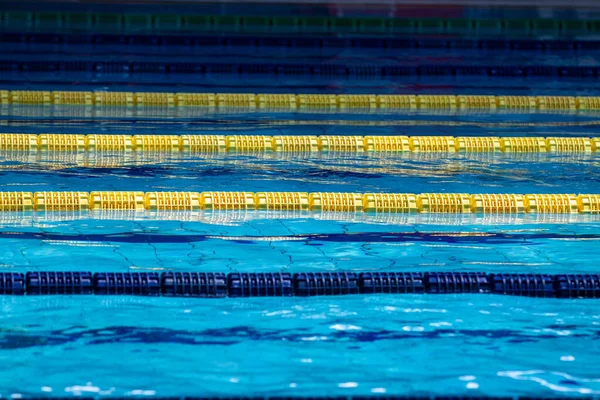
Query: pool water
[[404, 344], [335, 346], [463, 344]]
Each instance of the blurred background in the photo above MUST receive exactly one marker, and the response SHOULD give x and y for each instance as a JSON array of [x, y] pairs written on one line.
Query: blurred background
[[341, 46]]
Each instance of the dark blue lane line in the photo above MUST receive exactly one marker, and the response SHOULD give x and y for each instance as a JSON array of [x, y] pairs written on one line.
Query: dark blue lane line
[[10, 340], [370, 237]]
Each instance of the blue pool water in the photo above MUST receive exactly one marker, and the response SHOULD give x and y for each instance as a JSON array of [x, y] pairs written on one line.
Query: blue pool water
[[410, 344], [352, 345], [471, 344]]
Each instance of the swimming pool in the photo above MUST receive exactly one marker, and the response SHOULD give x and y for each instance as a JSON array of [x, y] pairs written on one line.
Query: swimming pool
[[465, 344]]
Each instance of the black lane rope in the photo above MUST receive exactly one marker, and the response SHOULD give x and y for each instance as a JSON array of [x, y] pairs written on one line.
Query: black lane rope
[[302, 284]]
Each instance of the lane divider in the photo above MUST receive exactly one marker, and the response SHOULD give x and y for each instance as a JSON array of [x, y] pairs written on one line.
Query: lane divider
[[54, 64], [58, 142], [455, 203], [303, 284], [152, 23], [188, 41], [301, 101]]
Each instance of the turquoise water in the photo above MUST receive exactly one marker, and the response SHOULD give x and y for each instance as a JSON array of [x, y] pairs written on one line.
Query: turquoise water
[[352, 345], [469, 345], [459, 344], [299, 242]]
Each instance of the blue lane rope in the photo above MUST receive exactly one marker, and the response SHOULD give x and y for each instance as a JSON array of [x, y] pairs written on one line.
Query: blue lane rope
[[298, 69], [307, 42], [303, 284]]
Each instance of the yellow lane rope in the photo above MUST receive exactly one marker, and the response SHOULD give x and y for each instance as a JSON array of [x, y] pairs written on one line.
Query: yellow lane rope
[[300, 101], [292, 143], [455, 203]]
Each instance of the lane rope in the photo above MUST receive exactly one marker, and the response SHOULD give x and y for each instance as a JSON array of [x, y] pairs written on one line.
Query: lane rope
[[300, 101], [453, 203], [185, 41], [303, 284], [58, 142], [149, 22]]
